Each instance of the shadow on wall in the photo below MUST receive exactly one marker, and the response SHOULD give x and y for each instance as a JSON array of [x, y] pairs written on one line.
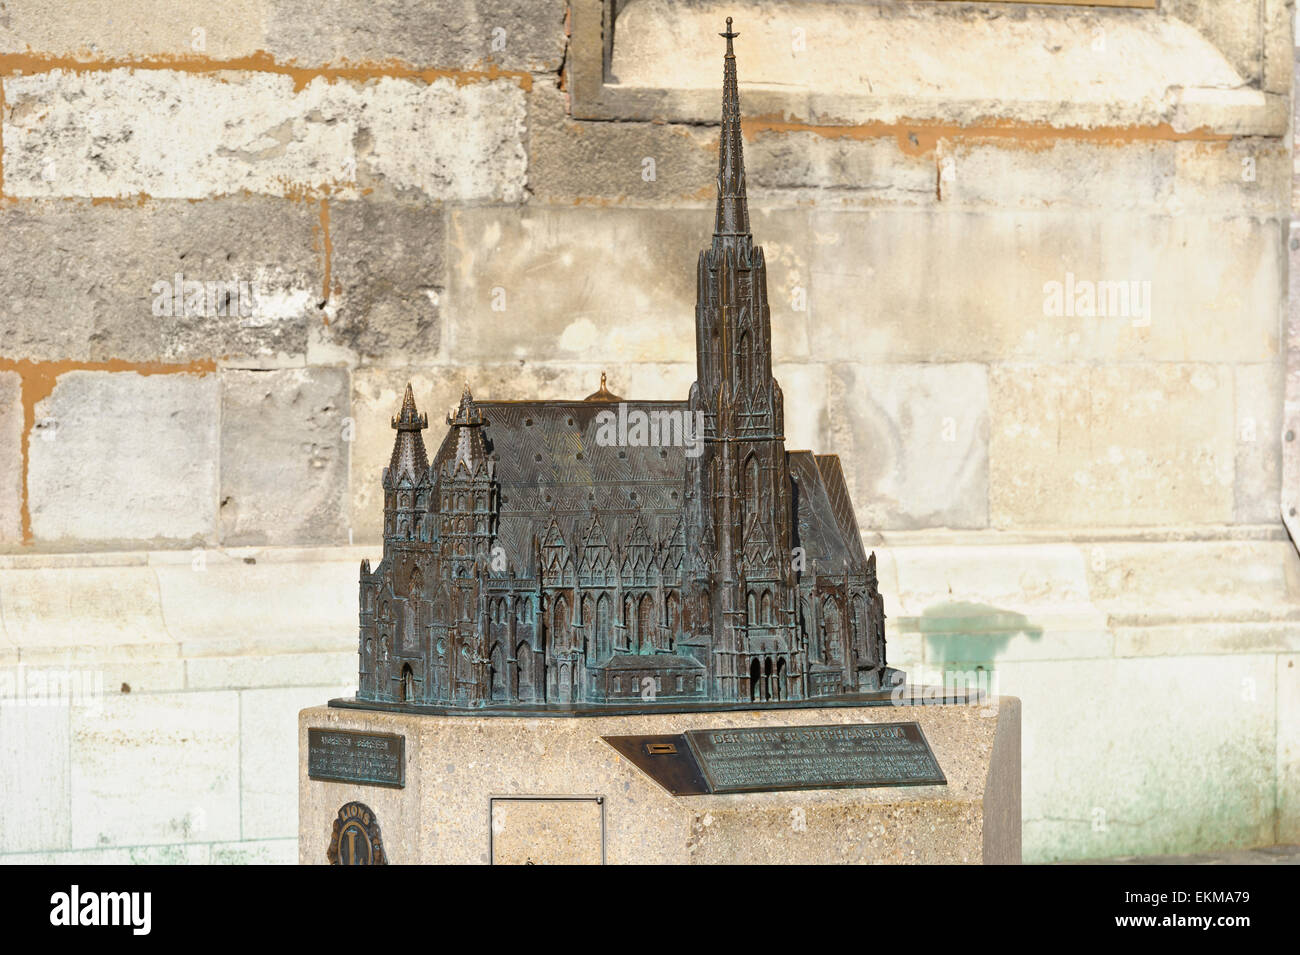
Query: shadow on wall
[[953, 634]]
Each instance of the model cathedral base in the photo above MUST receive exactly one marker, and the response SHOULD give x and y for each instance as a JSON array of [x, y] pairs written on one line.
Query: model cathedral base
[[552, 555]]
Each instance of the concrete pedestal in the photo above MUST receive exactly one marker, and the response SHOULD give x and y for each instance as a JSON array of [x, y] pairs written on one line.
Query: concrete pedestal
[[544, 790]]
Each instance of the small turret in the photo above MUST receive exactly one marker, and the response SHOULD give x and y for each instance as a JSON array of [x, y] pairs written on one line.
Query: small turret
[[409, 458], [406, 477], [471, 450], [471, 497]]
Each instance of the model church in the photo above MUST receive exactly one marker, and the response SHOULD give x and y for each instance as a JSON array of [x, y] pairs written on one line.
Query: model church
[[542, 557]]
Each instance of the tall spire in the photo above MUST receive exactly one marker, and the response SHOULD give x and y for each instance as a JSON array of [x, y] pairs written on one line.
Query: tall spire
[[732, 217]]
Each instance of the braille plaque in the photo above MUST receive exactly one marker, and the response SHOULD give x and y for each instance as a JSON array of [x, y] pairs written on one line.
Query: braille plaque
[[836, 756], [342, 756]]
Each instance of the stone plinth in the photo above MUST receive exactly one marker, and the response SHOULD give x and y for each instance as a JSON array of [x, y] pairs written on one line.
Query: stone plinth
[[513, 789]]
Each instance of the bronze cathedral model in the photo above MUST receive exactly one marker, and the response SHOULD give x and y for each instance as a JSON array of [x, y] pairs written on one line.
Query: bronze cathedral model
[[549, 559]]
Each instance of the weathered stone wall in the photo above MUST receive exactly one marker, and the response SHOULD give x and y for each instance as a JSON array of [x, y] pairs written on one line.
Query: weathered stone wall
[[1085, 505]]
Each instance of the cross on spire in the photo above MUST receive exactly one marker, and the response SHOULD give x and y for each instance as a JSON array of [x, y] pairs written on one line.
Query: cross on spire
[[729, 36]]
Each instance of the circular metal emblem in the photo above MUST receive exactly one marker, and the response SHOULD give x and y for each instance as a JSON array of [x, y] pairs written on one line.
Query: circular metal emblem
[[355, 839]]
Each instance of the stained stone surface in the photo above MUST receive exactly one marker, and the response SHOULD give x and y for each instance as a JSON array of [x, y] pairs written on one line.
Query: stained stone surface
[[117, 308], [125, 456], [296, 417], [455, 764], [11, 475], [387, 280], [444, 139]]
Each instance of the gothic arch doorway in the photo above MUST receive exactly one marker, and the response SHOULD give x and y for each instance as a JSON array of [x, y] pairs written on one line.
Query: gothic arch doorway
[[408, 684], [755, 678]]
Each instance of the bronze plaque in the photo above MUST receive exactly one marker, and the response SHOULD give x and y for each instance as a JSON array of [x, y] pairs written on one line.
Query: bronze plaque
[[355, 838], [342, 756], [667, 760], [836, 756]]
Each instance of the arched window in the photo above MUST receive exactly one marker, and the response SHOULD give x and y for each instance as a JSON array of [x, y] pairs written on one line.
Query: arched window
[[496, 673], [751, 490], [645, 622], [831, 628], [767, 606], [603, 644], [561, 617], [674, 613], [588, 622], [525, 682]]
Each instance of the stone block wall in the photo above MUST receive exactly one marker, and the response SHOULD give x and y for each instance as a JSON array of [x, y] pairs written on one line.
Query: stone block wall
[[1074, 496]]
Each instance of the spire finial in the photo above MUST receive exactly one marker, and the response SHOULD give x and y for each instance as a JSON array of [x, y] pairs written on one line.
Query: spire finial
[[729, 35], [409, 419], [466, 413], [603, 394]]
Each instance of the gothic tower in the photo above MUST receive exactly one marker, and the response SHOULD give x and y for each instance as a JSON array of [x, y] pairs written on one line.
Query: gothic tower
[[403, 611], [406, 478], [469, 494], [739, 487]]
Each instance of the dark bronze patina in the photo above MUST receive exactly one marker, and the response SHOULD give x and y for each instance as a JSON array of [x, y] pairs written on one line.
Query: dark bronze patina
[[355, 839], [753, 759], [603, 555], [343, 756]]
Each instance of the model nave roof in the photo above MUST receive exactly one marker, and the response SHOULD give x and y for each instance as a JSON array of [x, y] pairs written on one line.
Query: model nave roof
[[549, 464]]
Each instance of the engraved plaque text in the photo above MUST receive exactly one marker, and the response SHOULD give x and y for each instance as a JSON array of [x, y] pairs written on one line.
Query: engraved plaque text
[[342, 756], [815, 757]]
